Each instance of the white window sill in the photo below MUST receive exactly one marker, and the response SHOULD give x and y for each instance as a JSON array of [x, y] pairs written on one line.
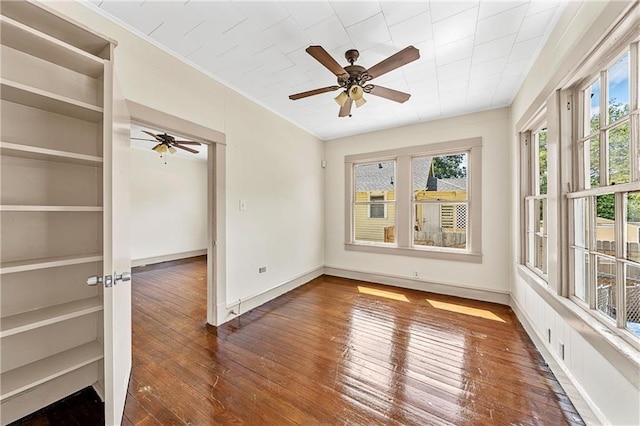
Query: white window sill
[[438, 254]]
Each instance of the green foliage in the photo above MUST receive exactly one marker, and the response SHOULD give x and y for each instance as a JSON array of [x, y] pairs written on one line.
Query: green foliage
[[633, 207], [619, 163], [605, 206], [542, 160], [450, 166]]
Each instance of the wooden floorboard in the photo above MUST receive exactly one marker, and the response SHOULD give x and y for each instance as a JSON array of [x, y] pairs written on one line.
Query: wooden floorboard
[[327, 353]]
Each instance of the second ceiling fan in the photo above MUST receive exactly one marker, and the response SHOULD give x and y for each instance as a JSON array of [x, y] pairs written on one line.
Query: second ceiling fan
[[354, 78]]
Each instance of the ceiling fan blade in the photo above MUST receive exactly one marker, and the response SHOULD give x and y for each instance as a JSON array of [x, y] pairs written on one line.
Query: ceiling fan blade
[[390, 94], [346, 108], [313, 92], [193, 151], [188, 142], [403, 57], [327, 60], [140, 139], [156, 137]]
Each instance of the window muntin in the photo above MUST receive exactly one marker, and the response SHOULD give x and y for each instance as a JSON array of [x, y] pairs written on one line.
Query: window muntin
[[374, 202], [440, 201], [606, 209]]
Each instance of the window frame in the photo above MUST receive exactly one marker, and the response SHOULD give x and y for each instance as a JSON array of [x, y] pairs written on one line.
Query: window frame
[[403, 157], [530, 193], [377, 203]]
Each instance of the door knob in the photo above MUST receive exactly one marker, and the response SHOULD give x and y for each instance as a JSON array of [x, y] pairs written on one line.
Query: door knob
[[94, 280], [125, 276]]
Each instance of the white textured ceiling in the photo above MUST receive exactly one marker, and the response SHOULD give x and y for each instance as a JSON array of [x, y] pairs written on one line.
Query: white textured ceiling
[[473, 55]]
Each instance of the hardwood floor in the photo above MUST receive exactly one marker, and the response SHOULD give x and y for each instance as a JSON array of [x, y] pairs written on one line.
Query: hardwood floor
[[333, 351]]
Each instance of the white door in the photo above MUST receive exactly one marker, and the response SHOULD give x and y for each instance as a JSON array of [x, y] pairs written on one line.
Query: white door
[[117, 257]]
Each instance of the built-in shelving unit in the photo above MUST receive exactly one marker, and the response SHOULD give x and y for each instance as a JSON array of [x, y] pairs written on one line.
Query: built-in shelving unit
[[36, 153], [31, 375], [52, 84], [51, 314]]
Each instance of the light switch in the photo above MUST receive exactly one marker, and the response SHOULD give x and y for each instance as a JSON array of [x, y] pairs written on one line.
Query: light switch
[[243, 205]]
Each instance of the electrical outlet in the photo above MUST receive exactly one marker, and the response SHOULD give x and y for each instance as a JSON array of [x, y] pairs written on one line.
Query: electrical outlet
[[262, 269], [243, 205], [415, 274]]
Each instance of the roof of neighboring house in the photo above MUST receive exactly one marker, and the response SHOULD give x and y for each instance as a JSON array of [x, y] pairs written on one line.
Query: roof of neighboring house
[[452, 184], [372, 177]]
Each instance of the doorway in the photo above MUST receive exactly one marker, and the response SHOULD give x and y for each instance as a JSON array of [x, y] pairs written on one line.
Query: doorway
[[143, 117]]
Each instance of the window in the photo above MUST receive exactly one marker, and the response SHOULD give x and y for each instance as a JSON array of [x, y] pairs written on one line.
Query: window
[[440, 201], [376, 208], [535, 200], [605, 208], [374, 202], [420, 201]]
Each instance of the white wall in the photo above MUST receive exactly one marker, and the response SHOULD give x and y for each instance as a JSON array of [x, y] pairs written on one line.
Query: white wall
[[492, 275], [599, 366], [168, 206], [270, 163]]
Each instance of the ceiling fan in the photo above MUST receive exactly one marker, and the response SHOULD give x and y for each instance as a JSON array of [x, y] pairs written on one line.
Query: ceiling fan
[[169, 143], [354, 78]]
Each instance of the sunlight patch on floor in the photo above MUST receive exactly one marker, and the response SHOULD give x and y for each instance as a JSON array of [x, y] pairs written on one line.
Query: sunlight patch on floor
[[383, 293], [466, 310]]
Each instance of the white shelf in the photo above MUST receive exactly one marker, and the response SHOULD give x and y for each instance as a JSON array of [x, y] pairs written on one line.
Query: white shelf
[[49, 262], [33, 42], [37, 153], [30, 96], [31, 375], [27, 208], [26, 321]]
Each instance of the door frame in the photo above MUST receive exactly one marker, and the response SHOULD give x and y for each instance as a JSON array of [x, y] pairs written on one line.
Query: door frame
[[216, 193]]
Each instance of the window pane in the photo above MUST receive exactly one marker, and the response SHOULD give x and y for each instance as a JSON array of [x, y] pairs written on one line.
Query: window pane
[[374, 182], [541, 253], [581, 222], [440, 178], [633, 299], [581, 275], [606, 286], [541, 138], [632, 233], [618, 78], [378, 177], [375, 229], [619, 171], [541, 213], [592, 108], [441, 225], [605, 224], [593, 147]]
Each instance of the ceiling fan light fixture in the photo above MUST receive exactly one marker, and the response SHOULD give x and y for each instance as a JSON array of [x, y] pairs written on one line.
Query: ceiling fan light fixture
[[162, 148], [172, 150], [359, 102], [341, 98], [356, 92]]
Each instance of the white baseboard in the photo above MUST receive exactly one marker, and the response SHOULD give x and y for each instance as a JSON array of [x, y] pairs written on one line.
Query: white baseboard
[[589, 412], [502, 298], [228, 311], [167, 258]]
